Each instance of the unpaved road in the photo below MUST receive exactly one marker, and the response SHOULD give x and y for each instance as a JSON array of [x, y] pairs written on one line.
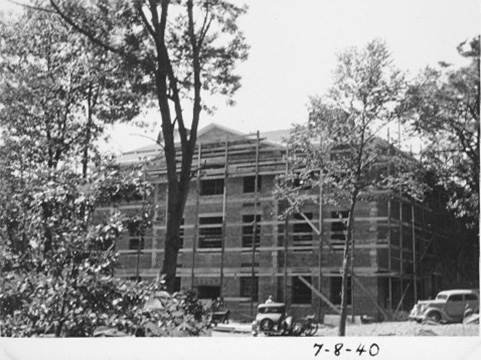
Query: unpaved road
[[402, 328]]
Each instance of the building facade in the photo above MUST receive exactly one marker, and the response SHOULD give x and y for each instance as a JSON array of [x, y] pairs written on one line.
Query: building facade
[[236, 244]]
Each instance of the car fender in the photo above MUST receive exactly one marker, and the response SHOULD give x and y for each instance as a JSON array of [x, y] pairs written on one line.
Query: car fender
[[289, 321]]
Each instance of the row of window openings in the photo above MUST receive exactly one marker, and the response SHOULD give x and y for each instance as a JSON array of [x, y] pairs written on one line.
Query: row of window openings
[[210, 231], [249, 287], [216, 186], [301, 293]]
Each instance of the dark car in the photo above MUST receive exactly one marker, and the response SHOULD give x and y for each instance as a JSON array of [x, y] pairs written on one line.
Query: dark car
[[448, 307]]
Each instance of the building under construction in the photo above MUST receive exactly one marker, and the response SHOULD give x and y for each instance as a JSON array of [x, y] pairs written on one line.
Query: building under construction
[[237, 245]]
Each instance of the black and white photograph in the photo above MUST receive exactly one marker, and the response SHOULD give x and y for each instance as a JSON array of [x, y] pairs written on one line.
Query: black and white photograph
[[239, 179]]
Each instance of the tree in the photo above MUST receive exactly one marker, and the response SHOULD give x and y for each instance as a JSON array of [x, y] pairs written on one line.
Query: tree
[[58, 252], [52, 257], [339, 150], [56, 83], [57, 269], [444, 112], [177, 50], [57, 94]]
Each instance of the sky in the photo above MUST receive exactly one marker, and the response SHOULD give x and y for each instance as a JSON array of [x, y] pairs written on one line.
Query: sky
[[294, 46], [293, 53]]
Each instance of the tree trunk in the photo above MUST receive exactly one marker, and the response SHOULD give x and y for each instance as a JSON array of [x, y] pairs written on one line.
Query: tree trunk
[[345, 266], [178, 185], [171, 248], [177, 197]]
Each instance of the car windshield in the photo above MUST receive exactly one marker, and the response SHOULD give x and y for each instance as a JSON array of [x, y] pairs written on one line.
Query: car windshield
[[271, 310], [442, 297]]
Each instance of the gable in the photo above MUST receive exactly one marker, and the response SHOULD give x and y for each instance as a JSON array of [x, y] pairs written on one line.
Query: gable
[[216, 133]]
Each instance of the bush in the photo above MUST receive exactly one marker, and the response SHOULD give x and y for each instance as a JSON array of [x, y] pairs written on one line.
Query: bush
[[42, 307]]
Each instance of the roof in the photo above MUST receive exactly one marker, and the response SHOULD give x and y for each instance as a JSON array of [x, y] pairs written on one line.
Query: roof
[[214, 126], [211, 133], [141, 154], [276, 136], [459, 291]]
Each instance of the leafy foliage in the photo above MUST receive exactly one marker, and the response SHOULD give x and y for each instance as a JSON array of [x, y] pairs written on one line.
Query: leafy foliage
[[58, 86], [173, 51], [338, 150], [444, 109], [59, 254], [59, 260], [96, 302]]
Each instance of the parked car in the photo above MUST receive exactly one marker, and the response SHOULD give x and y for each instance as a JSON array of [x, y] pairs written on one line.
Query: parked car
[[271, 319], [449, 306]]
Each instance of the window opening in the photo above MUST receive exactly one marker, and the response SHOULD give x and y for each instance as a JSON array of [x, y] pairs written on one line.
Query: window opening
[[302, 231], [210, 232], [250, 184], [338, 229], [136, 241], [301, 293], [208, 292], [249, 286], [248, 230], [336, 289], [212, 187]]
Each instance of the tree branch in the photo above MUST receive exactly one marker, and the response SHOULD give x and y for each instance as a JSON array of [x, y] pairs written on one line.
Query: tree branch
[[32, 7], [91, 36], [148, 26]]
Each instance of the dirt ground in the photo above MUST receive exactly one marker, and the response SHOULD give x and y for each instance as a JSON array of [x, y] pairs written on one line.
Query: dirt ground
[[403, 328]]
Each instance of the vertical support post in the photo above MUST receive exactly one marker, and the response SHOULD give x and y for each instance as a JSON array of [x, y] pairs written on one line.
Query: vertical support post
[[423, 247], [139, 251], [413, 229], [256, 199], [141, 232], [401, 217], [401, 247], [224, 204], [421, 244], [389, 250], [154, 232], [352, 274], [389, 225], [321, 231], [286, 238], [196, 220]]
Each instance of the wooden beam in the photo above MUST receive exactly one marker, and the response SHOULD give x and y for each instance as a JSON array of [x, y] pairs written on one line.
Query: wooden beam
[[363, 288], [319, 294], [224, 208]]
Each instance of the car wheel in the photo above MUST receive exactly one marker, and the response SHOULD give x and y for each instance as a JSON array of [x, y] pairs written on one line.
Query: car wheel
[[266, 325], [312, 329], [434, 317], [297, 328]]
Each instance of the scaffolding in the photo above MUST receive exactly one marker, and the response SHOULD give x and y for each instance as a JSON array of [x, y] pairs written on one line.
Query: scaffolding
[[273, 261]]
